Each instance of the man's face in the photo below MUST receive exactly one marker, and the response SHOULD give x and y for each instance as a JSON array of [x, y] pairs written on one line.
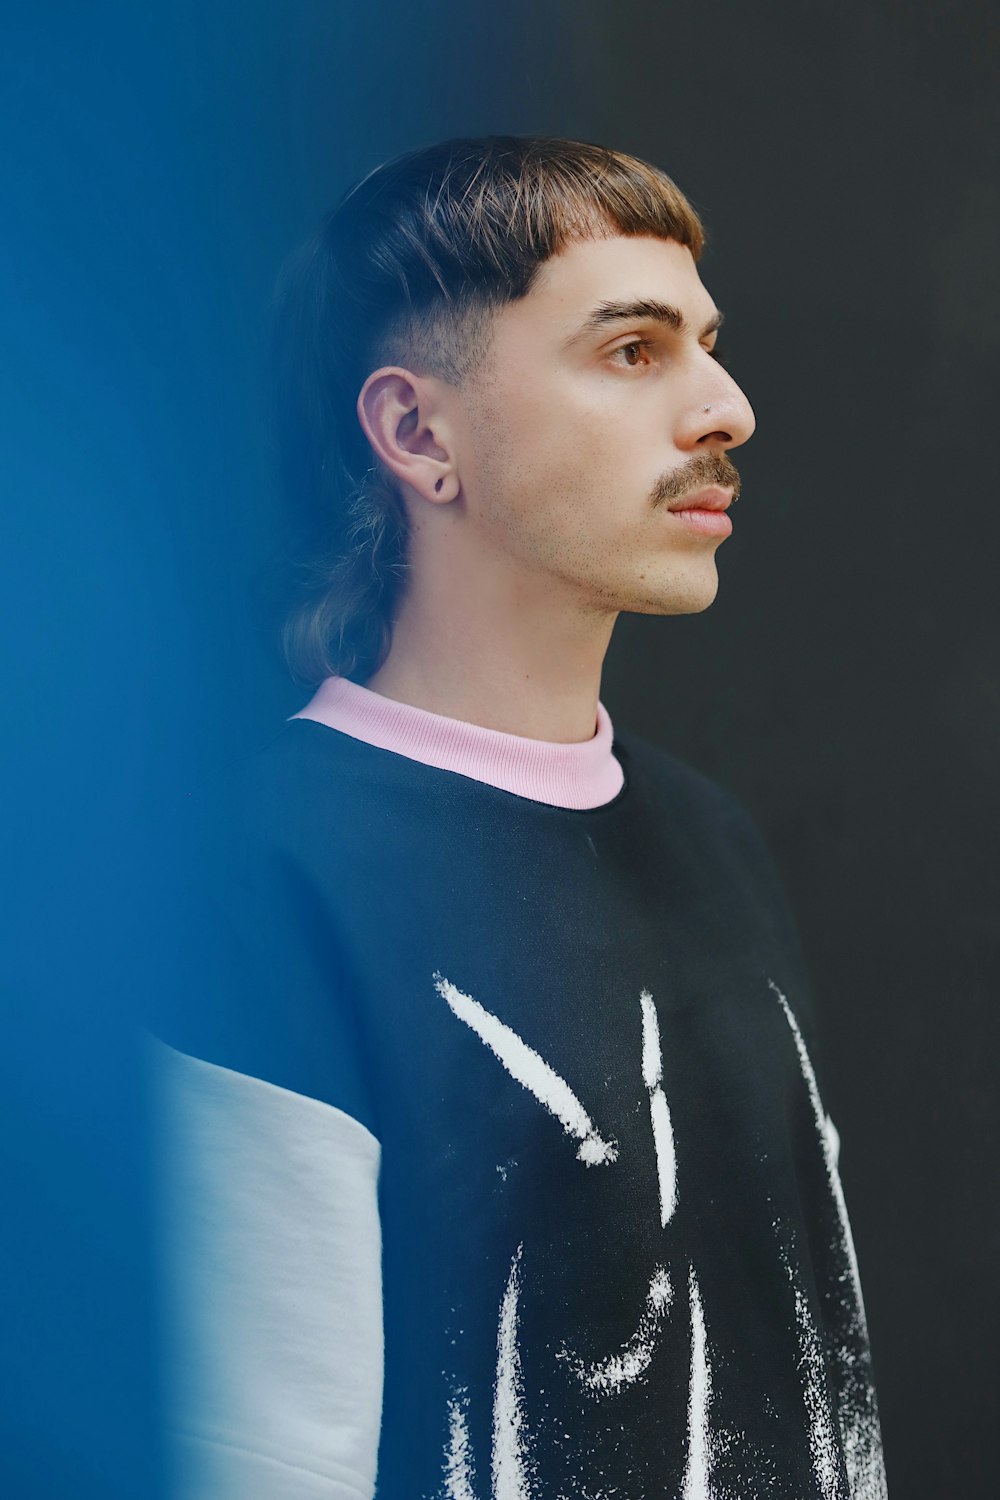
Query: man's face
[[581, 432]]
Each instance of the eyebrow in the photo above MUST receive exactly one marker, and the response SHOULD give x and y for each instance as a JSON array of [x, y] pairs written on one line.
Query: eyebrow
[[648, 309]]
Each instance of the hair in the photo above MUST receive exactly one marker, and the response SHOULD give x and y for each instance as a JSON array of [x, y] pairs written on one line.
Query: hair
[[411, 268]]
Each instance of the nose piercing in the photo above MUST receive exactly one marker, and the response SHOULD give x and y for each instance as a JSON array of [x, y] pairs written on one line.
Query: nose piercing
[[708, 407]]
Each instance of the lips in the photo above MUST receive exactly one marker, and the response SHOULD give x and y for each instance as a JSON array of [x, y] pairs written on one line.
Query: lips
[[715, 497]]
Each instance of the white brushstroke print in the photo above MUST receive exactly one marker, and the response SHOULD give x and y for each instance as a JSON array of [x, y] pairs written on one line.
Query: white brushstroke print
[[659, 1113], [823, 1445], [459, 1478], [837, 1424], [829, 1155], [510, 1464], [698, 1470], [635, 1356], [858, 1422], [532, 1072], [510, 1478]]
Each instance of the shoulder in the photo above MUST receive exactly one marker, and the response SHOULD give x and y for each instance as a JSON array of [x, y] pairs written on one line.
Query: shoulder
[[683, 794], [286, 793], [707, 825], [250, 976], [689, 805]]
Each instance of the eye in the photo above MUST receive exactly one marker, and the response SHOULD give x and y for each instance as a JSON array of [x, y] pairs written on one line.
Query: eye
[[635, 344]]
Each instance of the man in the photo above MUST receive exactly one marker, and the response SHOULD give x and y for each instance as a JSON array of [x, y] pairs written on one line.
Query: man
[[497, 1161]]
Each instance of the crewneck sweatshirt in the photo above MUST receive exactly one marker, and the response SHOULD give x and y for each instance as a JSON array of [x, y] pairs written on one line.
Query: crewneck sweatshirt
[[495, 1159]]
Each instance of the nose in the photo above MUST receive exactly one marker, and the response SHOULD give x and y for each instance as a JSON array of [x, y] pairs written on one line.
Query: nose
[[725, 417]]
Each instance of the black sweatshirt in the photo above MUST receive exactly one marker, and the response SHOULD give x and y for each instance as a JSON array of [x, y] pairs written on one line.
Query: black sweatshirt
[[526, 1091]]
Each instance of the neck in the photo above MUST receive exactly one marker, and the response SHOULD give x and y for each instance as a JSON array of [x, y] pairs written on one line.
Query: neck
[[504, 652]]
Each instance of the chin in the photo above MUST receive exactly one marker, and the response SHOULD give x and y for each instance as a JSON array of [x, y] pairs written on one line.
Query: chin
[[688, 594]]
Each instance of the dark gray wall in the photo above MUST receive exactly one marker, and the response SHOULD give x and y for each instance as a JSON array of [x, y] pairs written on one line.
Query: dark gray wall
[[845, 683]]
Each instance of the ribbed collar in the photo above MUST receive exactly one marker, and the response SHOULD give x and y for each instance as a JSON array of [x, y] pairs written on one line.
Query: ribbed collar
[[579, 775]]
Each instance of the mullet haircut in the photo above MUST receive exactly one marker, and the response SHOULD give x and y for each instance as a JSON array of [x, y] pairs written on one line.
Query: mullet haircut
[[411, 268]]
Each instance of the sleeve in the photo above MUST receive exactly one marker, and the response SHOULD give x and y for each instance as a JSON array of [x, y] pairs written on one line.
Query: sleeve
[[270, 1288], [250, 970], [266, 1163]]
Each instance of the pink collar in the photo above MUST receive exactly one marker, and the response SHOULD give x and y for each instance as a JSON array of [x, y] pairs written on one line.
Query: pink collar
[[577, 775]]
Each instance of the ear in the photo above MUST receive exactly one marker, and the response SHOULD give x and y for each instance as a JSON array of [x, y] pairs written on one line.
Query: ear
[[403, 421]]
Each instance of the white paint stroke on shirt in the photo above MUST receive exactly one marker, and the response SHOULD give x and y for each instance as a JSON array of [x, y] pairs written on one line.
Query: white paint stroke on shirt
[[532, 1072], [510, 1467], [862, 1438], [659, 1112], [824, 1448], [635, 1356], [829, 1157], [652, 1054], [857, 1404], [698, 1470], [459, 1478]]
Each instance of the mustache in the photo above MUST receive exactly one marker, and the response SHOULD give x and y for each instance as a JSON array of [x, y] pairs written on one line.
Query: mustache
[[702, 470]]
